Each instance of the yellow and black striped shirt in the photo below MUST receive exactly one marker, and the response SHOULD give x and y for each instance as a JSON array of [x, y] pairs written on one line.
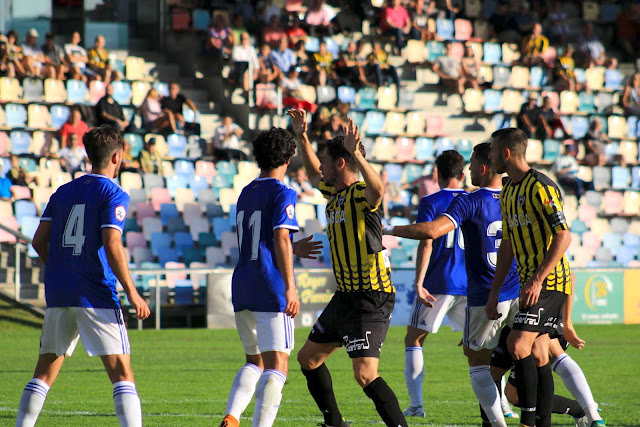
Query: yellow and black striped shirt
[[354, 229], [531, 215]]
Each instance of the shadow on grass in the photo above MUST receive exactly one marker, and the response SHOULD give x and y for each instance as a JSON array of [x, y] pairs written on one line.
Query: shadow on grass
[[23, 322]]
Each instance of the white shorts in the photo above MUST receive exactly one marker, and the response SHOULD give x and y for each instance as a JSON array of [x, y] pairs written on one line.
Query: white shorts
[[481, 333], [265, 331], [102, 331], [430, 318]]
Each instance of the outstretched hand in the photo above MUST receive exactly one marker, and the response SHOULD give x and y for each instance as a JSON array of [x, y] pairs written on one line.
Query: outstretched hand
[[305, 248], [352, 137], [298, 121]]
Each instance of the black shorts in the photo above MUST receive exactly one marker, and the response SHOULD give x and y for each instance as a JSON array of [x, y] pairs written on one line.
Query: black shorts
[[544, 317], [501, 358], [357, 320]]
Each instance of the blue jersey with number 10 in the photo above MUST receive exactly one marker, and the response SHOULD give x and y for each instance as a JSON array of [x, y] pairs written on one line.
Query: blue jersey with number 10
[[77, 273], [478, 215], [263, 206], [446, 274]]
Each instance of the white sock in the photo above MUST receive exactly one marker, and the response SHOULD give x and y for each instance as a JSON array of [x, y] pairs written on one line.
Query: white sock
[[414, 373], [33, 397], [127, 403], [575, 381], [268, 396], [242, 389], [504, 402], [487, 394]]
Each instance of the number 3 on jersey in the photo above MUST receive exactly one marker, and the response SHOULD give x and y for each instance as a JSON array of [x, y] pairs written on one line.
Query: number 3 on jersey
[[74, 230], [492, 231], [255, 223]]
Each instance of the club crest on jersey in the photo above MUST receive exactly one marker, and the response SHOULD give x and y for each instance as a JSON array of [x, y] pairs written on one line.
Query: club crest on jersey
[[120, 213], [551, 203], [290, 211], [521, 200]]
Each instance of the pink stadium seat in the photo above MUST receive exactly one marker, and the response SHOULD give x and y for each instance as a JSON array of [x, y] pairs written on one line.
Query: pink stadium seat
[[464, 29], [144, 210], [5, 144], [135, 239], [11, 222], [591, 241], [205, 169], [158, 197], [405, 149], [173, 277], [97, 90], [457, 50], [586, 213], [435, 124], [390, 242], [20, 192], [549, 56], [613, 202]]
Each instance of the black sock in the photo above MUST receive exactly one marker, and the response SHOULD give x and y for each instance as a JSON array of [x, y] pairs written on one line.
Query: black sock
[[562, 405], [386, 403], [527, 375], [321, 389], [485, 419], [544, 399]]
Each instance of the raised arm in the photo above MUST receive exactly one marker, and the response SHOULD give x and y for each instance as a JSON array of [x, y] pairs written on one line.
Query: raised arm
[[284, 258], [309, 158], [422, 230], [375, 188]]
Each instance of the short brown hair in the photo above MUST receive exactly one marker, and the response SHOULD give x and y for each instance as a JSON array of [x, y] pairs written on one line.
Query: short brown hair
[[512, 138], [100, 144]]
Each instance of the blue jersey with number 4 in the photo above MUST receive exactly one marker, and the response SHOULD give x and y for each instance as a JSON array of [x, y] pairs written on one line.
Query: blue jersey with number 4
[[446, 274], [77, 273], [478, 215], [264, 206]]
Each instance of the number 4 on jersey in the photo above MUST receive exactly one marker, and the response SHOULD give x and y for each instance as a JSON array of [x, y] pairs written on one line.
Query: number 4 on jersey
[[74, 230]]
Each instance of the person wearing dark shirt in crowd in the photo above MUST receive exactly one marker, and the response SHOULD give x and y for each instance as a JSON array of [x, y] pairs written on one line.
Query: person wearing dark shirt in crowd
[[296, 33], [54, 58], [628, 30], [108, 111], [594, 143], [379, 64], [174, 103], [529, 115], [349, 69], [17, 175], [549, 121], [503, 25], [220, 38], [74, 126], [334, 128], [630, 99]]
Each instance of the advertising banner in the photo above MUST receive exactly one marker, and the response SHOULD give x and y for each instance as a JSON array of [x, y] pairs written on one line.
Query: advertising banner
[[598, 296], [632, 296]]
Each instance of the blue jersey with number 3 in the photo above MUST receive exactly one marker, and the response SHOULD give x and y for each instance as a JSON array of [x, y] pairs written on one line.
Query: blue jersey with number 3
[[478, 215], [446, 274], [77, 273], [264, 206]]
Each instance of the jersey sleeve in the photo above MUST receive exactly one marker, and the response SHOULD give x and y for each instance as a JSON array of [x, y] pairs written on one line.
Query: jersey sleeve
[[47, 215], [326, 190], [460, 209], [115, 210], [284, 210], [360, 199], [548, 203], [426, 212]]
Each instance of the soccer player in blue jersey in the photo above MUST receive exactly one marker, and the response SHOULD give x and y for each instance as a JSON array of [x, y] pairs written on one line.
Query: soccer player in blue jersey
[[80, 242], [441, 279], [263, 290], [478, 215]]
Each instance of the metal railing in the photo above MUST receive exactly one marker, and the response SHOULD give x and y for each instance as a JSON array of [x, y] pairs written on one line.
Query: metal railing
[[25, 241]]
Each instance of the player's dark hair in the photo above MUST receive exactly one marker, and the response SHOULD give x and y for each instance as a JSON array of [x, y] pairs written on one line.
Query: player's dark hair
[[335, 148], [273, 148], [512, 138], [100, 144], [481, 152], [450, 164]]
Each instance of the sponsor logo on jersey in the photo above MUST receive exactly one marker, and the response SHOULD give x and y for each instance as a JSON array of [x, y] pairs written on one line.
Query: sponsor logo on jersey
[[336, 217], [519, 220], [529, 318], [551, 202], [290, 211], [120, 213], [556, 219], [357, 343]]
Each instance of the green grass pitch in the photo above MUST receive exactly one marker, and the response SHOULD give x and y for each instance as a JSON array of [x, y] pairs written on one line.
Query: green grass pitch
[[184, 376]]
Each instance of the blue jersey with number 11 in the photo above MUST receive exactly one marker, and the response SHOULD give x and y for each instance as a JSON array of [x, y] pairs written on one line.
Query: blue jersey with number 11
[[264, 206], [478, 215]]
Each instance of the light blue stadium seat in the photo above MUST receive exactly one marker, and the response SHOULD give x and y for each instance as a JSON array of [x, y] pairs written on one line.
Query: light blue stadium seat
[[399, 257], [394, 172], [631, 240], [226, 168], [166, 255], [435, 49], [425, 149], [214, 210], [184, 168], [159, 241], [537, 77], [374, 122], [29, 225], [407, 98], [59, 115], [604, 256], [357, 117], [177, 145], [221, 181], [320, 214], [191, 254], [190, 116], [20, 142], [635, 178], [161, 87], [624, 256], [611, 240], [444, 144], [634, 127], [76, 92], [366, 98], [604, 101], [501, 76], [220, 225], [136, 142], [397, 220], [551, 150], [580, 126], [122, 92], [613, 79], [347, 94], [176, 181], [201, 19], [5, 165], [412, 172], [15, 115], [578, 227], [182, 240], [206, 240], [332, 46], [620, 177], [312, 44], [233, 210], [492, 100], [465, 148], [197, 183], [25, 208], [445, 29], [168, 210], [587, 102], [28, 164], [502, 121], [581, 77], [492, 53]]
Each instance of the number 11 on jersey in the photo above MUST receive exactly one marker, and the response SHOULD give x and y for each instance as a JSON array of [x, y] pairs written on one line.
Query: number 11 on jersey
[[255, 223]]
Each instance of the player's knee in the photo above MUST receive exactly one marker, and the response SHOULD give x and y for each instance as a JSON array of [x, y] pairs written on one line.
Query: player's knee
[[364, 378], [305, 361], [519, 350]]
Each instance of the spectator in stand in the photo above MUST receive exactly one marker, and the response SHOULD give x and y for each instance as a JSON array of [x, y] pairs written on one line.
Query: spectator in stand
[[628, 30], [299, 181], [74, 126], [109, 112], [549, 121], [273, 33], [384, 72], [424, 185], [392, 198], [334, 128], [564, 71], [266, 94], [73, 157], [529, 116], [129, 163], [5, 188], [283, 58], [524, 19], [594, 143], [33, 58], [18, 176], [15, 53], [237, 28], [54, 58], [420, 19], [268, 72], [174, 103], [227, 141], [471, 68], [452, 8], [99, 61], [631, 96], [292, 97], [449, 69], [269, 10], [590, 50], [7, 69], [220, 39], [534, 46], [296, 33], [503, 25], [349, 70], [558, 23], [150, 159], [246, 10], [396, 22], [77, 58], [566, 169], [323, 60], [245, 62], [303, 61], [348, 20], [319, 17], [155, 118]]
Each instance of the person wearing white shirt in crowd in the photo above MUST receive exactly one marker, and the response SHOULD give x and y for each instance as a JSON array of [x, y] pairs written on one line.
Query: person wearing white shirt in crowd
[[33, 58], [77, 57], [245, 61], [566, 169], [227, 141], [73, 156]]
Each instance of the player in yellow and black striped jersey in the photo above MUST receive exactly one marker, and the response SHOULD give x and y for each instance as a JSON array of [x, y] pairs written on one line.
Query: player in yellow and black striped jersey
[[536, 234], [358, 315]]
